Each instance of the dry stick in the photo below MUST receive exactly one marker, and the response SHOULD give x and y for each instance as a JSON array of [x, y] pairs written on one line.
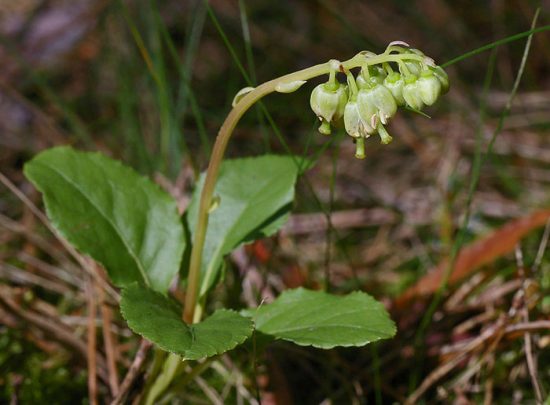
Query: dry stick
[[497, 337], [133, 371], [531, 362], [470, 346], [54, 272], [441, 371], [489, 382], [528, 326], [109, 342], [24, 277], [91, 347], [499, 330], [77, 256], [433, 377], [524, 311]]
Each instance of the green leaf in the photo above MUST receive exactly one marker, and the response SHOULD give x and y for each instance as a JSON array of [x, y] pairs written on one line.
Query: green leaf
[[255, 198], [158, 319], [315, 318], [108, 211]]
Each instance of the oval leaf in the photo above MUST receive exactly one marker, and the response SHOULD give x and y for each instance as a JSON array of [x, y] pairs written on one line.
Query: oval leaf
[[315, 318], [255, 195], [158, 319], [108, 211]]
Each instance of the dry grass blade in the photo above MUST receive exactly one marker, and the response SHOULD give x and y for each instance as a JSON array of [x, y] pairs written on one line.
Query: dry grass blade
[[91, 346], [20, 276], [524, 313], [133, 372], [109, 342]]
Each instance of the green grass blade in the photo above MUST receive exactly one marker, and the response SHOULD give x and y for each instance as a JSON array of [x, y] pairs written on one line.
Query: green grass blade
[[495, 44]]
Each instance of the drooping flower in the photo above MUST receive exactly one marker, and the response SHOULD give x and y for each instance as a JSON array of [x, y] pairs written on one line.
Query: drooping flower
[[378, 101], [328, 101]]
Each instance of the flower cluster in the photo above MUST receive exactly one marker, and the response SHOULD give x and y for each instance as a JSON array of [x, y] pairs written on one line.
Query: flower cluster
[[367, 102]]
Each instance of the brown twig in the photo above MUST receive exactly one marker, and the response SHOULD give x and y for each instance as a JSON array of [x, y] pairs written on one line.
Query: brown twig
[[447, 367], [489, 382], [110, 343], [434, 376], [23, 277], [528, 326], [524, 312], [91, 346], [50, 271], [496, 332], [133, 371]]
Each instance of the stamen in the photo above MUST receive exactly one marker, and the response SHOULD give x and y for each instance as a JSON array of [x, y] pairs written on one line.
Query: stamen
[[374, 121]]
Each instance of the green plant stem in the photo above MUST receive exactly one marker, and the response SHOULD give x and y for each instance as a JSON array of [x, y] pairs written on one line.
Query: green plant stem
[[226, 130], [169, 369]]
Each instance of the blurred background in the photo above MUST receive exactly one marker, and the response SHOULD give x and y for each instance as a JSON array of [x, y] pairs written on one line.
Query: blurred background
[[150, 82]]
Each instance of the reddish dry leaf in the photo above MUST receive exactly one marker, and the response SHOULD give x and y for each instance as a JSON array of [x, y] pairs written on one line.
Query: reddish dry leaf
[[261, 252], [475, 255]]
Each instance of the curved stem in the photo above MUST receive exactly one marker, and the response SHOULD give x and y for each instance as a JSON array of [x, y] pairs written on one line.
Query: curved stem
[[220, 146]]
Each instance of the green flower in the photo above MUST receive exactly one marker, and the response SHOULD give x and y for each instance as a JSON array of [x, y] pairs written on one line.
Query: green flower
[[411, 93], [394, 83], [377, 101], [369, 100], [328, 101], [355, 123], [429, 87]]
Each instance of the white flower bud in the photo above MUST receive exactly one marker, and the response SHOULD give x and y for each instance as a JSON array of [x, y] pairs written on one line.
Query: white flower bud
[[394, 83], [429, 87], [411, 93]]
